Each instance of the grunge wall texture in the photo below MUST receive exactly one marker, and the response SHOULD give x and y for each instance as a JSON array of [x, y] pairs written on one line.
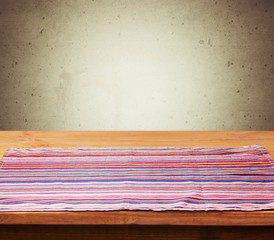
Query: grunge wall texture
[[136, 65]]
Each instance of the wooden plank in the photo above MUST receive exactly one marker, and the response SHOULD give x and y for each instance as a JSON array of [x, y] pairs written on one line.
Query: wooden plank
[[137, 139], [125, 232], [211, 218]]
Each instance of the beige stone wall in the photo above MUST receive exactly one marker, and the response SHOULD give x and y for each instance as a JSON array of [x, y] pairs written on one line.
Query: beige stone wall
[[137, 64]]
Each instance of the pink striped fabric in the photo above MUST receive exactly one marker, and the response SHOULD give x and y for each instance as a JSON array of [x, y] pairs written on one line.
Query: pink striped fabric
[[166, 178]]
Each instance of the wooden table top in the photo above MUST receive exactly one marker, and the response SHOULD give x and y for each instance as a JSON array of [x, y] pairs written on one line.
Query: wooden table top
[[138, 139]]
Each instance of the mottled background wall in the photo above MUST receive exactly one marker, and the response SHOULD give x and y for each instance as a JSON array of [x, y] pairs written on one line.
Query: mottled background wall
[[137, 64]]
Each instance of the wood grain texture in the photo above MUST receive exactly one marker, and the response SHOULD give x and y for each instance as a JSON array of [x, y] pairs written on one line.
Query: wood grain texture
[[137, 139], [212, 218]]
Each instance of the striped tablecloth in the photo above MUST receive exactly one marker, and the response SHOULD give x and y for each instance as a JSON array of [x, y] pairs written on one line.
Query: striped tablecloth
[[168, 178]]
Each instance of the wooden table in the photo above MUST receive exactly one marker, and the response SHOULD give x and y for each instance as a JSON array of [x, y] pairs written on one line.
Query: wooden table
[[136, 224]]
